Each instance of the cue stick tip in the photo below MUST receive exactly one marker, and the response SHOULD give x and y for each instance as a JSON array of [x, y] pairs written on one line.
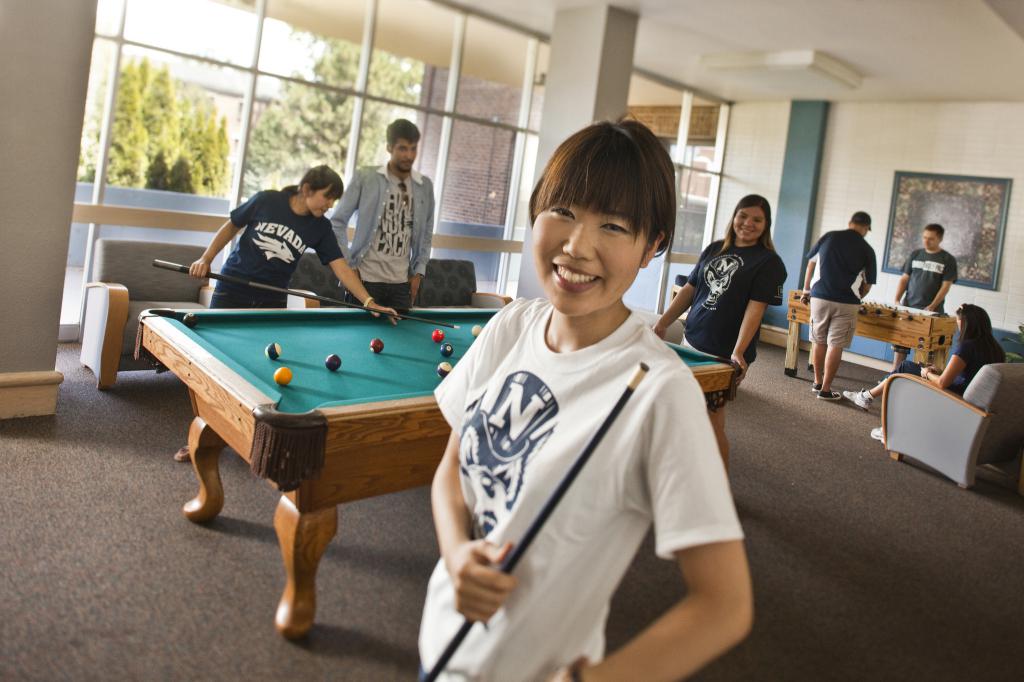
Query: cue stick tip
[[638, 376]]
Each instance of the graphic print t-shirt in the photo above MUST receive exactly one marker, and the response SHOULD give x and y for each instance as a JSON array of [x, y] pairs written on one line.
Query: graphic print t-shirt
[[272, 241], [725, 283], [927, 273], [844, 257], [524, 414], [388, 258]]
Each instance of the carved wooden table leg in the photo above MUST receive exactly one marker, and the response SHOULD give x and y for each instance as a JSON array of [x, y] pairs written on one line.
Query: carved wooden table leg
[[303, 538], [792, 347], [204, 447]]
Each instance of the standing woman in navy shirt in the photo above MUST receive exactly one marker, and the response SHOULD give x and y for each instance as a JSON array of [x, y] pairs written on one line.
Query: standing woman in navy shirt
[[734, 281]]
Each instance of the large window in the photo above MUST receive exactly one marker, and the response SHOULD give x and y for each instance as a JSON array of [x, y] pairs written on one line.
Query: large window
[[223, 30], [692, 131], [218, 99], [412, 36], [175, 126], [491, 81], [478, 173], [316, 46], [294, 127]]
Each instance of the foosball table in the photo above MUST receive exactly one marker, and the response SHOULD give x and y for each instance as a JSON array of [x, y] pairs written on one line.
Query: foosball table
[[928, 335]]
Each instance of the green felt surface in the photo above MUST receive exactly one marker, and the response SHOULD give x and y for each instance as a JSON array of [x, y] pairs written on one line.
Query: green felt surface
[[694, 358], [406, 368]]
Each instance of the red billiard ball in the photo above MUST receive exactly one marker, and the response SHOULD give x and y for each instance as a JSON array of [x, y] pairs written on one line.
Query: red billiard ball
[[376, 345], [437, 336]]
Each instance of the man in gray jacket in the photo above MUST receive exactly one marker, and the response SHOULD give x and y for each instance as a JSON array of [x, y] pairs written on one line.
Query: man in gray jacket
[[394, 209]]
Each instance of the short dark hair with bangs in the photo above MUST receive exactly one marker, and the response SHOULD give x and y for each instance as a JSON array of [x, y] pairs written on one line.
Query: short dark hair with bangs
[[615, 168]]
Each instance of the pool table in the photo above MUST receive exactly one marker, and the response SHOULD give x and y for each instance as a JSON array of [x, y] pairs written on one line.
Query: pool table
[[368, 429]]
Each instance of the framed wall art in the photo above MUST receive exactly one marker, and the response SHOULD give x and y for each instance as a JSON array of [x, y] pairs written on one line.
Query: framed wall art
[[971, 209]]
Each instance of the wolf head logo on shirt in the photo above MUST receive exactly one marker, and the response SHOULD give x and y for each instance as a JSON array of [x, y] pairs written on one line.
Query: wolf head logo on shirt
[[499, 438], [718, 274], [274, 239]]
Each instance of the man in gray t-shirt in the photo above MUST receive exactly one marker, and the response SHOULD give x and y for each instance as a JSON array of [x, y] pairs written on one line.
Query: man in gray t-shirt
[[927, 276]]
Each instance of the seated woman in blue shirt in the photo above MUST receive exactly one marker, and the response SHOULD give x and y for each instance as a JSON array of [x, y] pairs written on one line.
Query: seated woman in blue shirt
[[976, 348]]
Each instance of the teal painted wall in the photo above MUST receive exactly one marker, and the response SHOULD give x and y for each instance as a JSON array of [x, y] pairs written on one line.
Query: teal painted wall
[[798, 194]]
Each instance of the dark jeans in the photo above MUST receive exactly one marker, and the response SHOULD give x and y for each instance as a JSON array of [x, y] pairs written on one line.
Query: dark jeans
[[233, 299], [395, 296], [909, 367]]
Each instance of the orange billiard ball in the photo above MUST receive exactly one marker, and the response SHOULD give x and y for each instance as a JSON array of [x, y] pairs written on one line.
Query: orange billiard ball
[[283, 376]]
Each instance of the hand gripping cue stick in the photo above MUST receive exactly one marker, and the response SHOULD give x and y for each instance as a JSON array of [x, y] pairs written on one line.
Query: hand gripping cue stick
[[509, 564], [166, 265]]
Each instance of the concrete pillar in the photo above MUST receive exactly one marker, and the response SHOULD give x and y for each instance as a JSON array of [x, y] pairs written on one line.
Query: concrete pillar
[[588, 80], [45, 50], [798, 196]]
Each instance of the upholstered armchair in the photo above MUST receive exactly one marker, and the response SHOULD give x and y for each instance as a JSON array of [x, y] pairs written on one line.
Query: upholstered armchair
[[126, 283], [955, 436], [316, 278], [452, 284]]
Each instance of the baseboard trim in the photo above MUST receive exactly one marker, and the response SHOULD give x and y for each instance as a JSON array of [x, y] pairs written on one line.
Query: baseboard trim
[[29, 394], [68, 333], [776, 336]]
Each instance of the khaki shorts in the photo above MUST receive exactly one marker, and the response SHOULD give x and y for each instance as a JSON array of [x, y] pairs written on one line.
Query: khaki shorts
[[833, 323]]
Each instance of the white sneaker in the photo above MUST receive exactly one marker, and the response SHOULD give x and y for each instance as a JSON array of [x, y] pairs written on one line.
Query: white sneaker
[[861, 398], [877, 434]]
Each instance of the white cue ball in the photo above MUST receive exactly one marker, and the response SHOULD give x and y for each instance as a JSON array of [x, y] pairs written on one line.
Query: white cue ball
[[477, 329]]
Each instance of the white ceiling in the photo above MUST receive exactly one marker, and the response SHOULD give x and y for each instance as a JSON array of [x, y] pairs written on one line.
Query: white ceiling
[[904, 49]]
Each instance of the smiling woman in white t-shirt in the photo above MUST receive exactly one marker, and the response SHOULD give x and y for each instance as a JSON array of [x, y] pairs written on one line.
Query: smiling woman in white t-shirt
[[525, 401]]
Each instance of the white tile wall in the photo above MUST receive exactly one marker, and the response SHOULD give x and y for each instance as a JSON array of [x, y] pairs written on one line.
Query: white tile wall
[[866, 143], [754, 153]]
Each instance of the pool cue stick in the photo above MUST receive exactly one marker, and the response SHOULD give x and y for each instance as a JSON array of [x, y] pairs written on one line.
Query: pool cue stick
[[509, 564], [167, 265]]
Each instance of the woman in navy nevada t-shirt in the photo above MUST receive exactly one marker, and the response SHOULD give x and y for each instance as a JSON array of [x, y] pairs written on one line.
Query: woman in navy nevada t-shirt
[[735, 280], [275, 228]]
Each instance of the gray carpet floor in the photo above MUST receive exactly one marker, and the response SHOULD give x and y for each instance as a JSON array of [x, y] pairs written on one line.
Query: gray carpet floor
[[864, 568]]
